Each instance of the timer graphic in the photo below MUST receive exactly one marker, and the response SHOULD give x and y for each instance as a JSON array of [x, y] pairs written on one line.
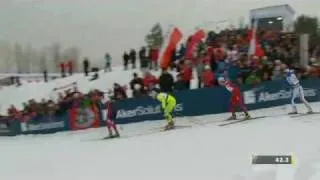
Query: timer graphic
[[272, 159]]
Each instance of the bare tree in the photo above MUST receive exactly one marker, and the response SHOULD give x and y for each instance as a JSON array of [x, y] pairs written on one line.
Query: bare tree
[[18, 56], [56, 52], [43, 60], [72, 54]]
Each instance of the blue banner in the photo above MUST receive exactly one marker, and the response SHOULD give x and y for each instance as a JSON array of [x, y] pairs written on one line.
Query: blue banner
[[9, 127], [195, 102], [44, 124], [213, 101], [275, 93]]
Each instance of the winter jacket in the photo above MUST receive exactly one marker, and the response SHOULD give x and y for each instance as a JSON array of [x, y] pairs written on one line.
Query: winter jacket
[[186, 73], [208, 78], [149, 81]]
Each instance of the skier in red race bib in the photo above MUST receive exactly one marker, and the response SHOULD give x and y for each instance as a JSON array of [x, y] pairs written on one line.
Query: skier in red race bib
[[111, 115], [236, 98]]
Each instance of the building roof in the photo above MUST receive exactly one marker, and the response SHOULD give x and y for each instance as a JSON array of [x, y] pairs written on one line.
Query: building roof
[[286, 6]]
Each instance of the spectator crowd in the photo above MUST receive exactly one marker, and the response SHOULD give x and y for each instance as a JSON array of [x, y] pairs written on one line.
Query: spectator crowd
[[220, 54]]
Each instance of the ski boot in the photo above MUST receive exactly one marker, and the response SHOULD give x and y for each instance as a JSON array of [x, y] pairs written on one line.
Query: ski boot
[[310, 112], [169, 126], [233, 117], [247, 116]]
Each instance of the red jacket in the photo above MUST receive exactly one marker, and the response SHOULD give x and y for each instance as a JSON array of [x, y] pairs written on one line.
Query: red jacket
[[154, 54], [70, 64], [187, 73], [62, 66], [149, 81], [234, 89], [208, 78]]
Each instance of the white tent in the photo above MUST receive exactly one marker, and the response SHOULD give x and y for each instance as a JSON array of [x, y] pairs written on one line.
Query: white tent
[[285, 12]]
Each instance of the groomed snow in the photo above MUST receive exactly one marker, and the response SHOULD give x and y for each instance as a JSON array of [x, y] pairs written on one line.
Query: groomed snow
[[205, 151]]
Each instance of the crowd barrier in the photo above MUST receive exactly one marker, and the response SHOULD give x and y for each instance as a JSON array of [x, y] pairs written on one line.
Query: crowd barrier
[[189, 103]]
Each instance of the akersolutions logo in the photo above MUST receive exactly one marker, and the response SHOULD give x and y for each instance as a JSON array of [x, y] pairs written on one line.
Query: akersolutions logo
[[143, 111], [252, 96]]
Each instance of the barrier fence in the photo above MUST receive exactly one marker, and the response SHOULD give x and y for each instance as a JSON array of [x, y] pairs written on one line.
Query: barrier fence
[[189, 103]]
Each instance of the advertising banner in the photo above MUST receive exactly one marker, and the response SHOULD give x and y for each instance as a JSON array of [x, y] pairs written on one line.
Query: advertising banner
[[9, 127], [214, 100], [274, 93], [43, 124]]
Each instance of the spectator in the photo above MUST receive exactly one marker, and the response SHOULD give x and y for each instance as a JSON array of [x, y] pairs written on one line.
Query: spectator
[[63, 70], [253, 79], [277, 74], [182, 52], [149, 81], [108, 59], [208, 77], [133, 84], [86, 66], [187, 73], [119, 92], [139, 91], [266, 77], [154, 55], [143, 58], [179, 85], [70, 67], [45, 75], [133, 57], [13, 111], [200, 67], [125, 60], [166, 81]]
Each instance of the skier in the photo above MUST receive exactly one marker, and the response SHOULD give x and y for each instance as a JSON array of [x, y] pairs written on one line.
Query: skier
[[297, 90], [236, 98], [168, 104], [111, 125]]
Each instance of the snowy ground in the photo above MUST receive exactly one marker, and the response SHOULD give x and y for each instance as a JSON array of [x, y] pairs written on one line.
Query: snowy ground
[[205, 151]]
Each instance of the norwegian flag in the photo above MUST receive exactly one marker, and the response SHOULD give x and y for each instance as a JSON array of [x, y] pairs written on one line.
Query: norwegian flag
[[173, 38], [255, 48], [191, 45]]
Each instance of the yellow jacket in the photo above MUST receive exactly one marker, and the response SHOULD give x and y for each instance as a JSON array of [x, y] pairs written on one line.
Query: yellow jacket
[[166, 99]]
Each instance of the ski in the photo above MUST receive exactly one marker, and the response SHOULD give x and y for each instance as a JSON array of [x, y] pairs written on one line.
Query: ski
[[304, 114], [163, 129], [240, 120], [111, 137]]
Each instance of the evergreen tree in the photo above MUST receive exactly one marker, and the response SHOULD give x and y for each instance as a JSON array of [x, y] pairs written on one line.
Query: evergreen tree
[[154, 38]]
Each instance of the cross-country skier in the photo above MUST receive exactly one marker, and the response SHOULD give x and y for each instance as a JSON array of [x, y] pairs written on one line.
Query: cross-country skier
[[297, 90], [236, 98], [111, 115], [168, 104]]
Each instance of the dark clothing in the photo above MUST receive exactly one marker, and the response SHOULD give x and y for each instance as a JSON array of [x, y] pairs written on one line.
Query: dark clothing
[[125, 60], [45, 76], [166, 82], [143, 58], [133, 57], [119, 93], [180, 85], [136, 92], [136, 81], [86, 66]]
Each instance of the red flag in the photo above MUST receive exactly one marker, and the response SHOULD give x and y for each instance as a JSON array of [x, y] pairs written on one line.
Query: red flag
[[195, 39], [166, 54], [255, 47]]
